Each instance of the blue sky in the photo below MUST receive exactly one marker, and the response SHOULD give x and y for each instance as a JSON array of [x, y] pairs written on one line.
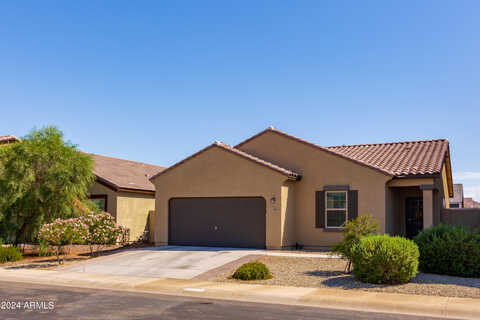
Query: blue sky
[[156, 81]]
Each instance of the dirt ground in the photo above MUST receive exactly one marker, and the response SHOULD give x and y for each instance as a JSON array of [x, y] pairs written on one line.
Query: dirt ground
[[75, 253], [317, 272]]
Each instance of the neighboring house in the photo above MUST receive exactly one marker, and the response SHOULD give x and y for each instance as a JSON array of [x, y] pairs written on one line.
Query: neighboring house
[[123, 189], [275, 190], [470, 203], [8, 139], [457, 200]]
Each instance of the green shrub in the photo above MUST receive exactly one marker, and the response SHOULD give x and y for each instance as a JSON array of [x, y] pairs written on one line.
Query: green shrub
[[44, 250], [355, 229], [449, 250], [252, 271], [385, 259], [8, 254]]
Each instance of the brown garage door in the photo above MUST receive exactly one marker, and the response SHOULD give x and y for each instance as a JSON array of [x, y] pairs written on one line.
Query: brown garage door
[[217, 222]]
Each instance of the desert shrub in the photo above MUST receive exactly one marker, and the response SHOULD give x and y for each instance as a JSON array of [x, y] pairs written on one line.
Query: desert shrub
[[354, 229], [252, 271], [8, 254], [449, 250], [385, 259]]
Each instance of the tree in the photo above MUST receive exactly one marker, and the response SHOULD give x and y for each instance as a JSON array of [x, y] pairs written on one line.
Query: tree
[[352, 232], [41, 178]]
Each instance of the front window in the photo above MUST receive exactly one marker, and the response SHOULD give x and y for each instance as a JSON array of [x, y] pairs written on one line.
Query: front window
[[336, 209], [100, 201]]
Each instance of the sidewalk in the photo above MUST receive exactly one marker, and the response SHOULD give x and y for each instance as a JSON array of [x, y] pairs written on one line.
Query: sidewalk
[[328, 298]]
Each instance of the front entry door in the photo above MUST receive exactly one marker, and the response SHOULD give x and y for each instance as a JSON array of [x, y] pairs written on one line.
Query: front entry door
[[414, 216]]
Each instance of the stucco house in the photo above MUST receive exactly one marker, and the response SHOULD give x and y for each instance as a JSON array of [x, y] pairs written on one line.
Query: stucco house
[[274, 190], [122, 188]]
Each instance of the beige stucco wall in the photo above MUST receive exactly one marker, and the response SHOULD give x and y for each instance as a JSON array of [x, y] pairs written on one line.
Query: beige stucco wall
[[151, 226], [288, 214], [100, 189], [132, 212], [428, 208], [410, 182], [129, 209], [219, 173], [320, 168]]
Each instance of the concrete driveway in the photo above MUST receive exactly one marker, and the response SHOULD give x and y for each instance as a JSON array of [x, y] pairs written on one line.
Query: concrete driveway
[[161, 262]]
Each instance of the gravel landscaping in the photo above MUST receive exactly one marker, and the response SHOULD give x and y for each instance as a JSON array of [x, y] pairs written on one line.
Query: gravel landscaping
[[328, 273]]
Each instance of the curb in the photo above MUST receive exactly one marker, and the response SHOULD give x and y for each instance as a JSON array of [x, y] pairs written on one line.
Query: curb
[[444, 307]]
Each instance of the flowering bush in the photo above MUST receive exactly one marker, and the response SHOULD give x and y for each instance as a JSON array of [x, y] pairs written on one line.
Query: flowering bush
[[62, 232], [102, 230], [92, 229]]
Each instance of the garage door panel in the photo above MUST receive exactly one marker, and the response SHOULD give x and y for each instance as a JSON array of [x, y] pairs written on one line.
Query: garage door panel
[[225, 222]]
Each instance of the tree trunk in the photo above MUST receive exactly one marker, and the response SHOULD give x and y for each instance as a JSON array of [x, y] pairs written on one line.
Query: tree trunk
[[348, 267], [57, 252], [22, 230]]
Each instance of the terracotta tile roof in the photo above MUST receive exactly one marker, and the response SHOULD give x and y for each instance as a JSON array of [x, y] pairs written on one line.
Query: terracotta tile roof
[[124, 174], [399, 159], [289, 173], [8, 139], [272, 129]]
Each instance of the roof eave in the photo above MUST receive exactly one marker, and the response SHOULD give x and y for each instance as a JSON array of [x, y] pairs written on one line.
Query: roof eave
[[290, 175], [448, 167], [419, 175], [106, 183], [179, 163], [133, 190], [297, 177], [271, 129], [117, 188]]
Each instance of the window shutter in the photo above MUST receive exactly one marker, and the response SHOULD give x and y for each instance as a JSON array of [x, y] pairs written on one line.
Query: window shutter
[[352, 204], [320, 209]]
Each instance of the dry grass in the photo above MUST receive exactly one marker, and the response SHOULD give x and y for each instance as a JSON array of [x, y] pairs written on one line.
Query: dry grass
[[317, 273]]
